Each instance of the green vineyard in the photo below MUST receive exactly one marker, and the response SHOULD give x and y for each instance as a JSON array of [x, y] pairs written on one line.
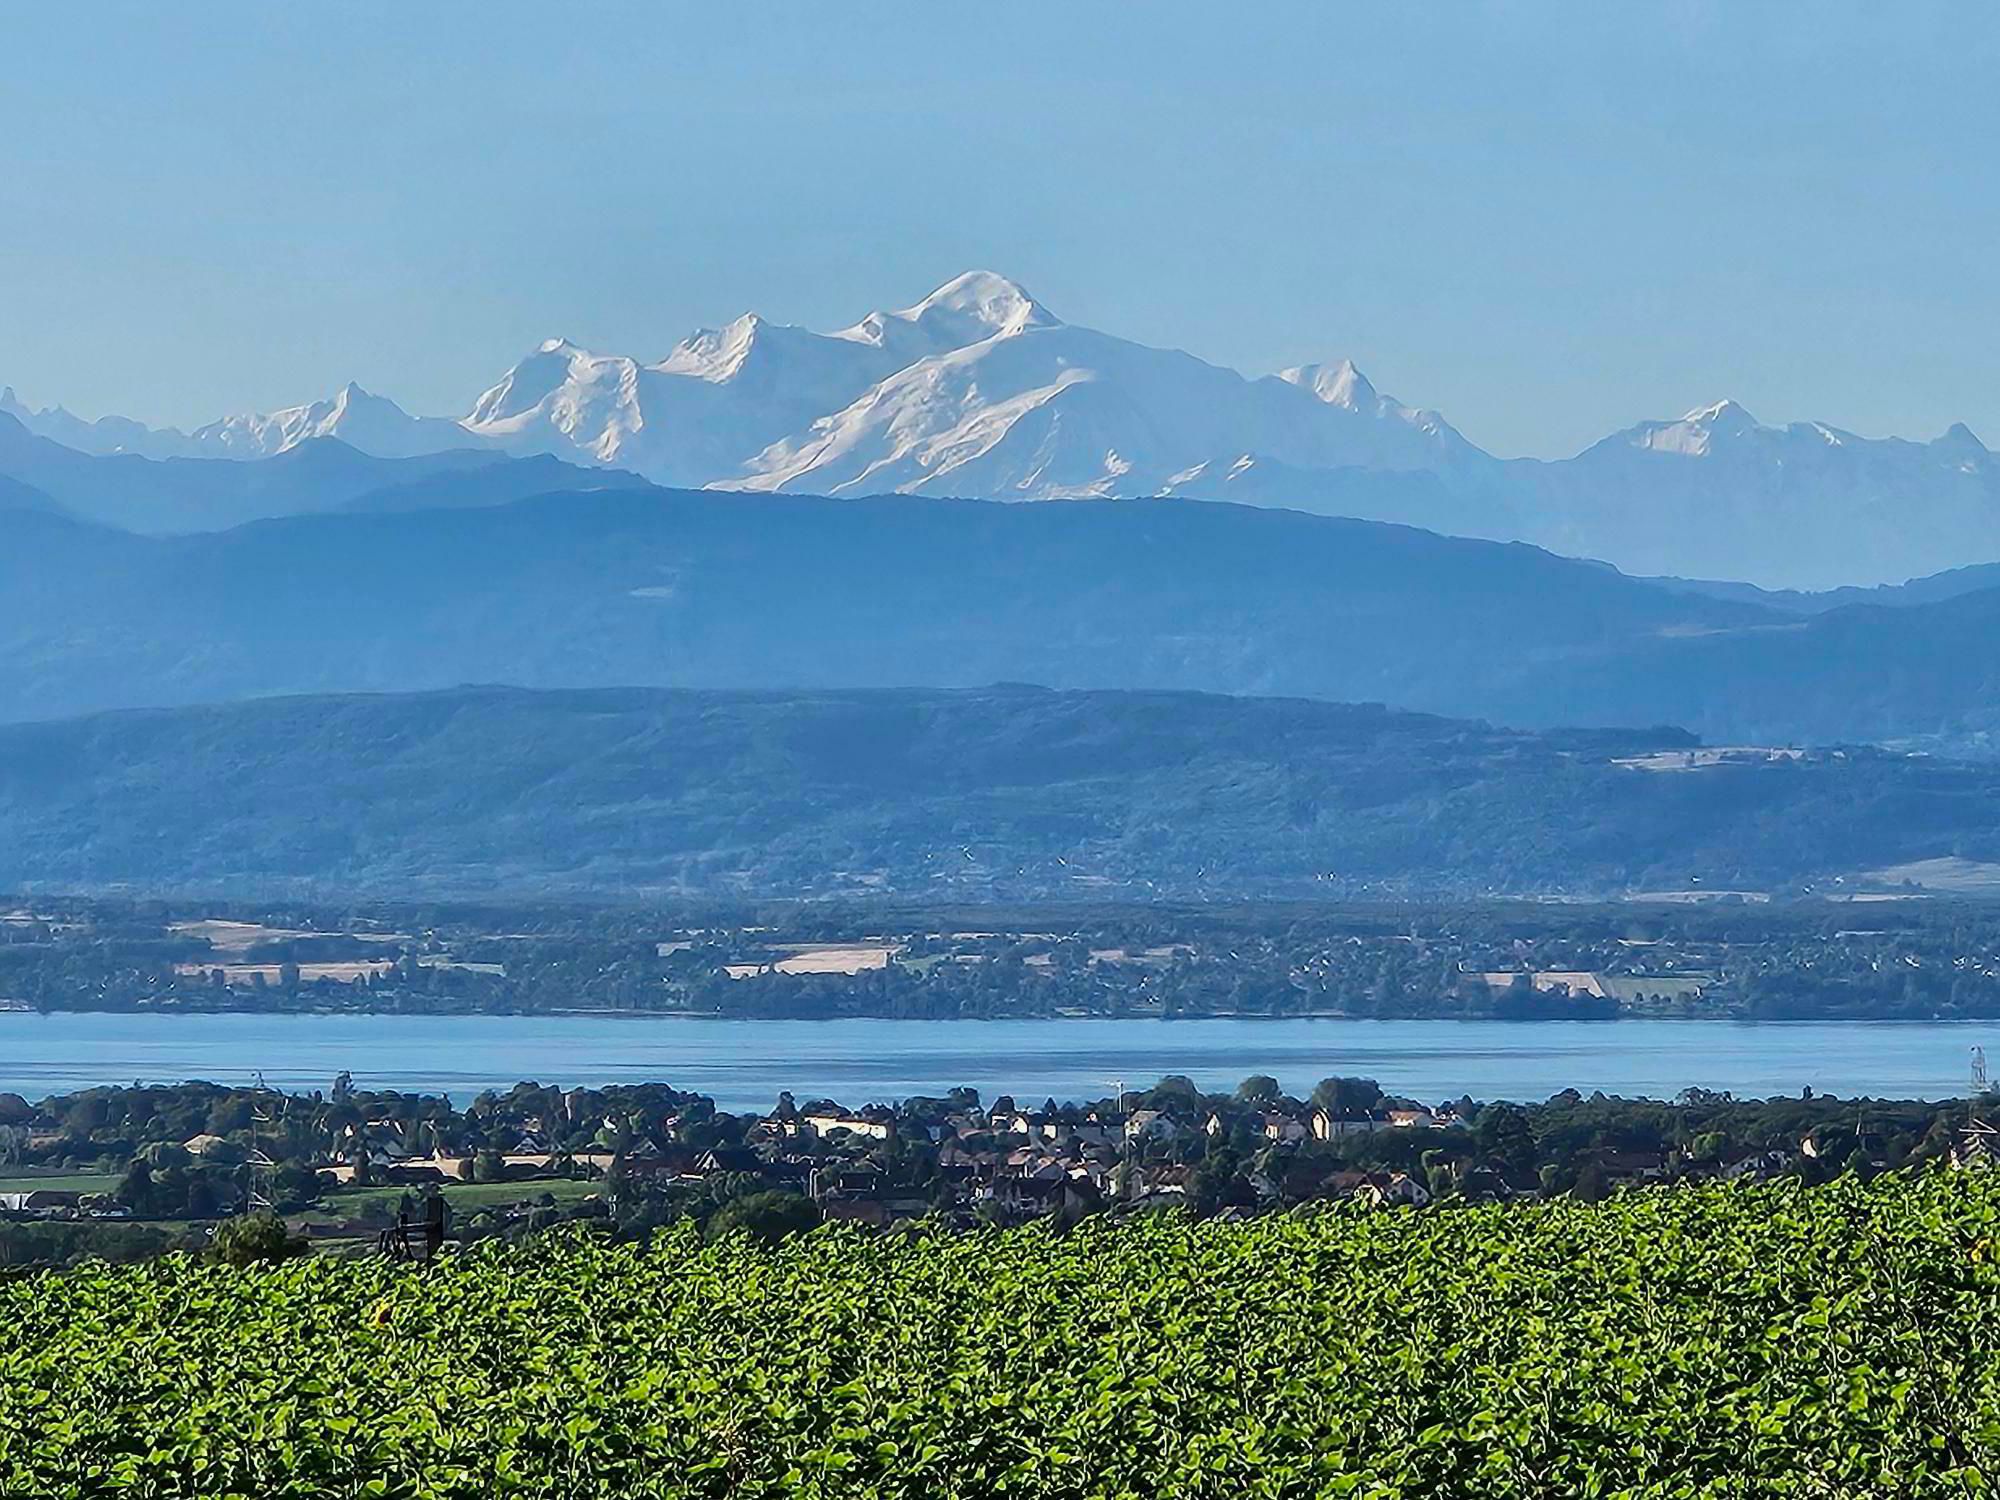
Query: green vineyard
[[1838, 1341]]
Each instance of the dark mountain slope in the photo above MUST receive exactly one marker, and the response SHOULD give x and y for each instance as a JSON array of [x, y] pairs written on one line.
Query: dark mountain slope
[[698, 589], [159, 496], [1927, 674], [1013, 792], [15, 495], [1933, 588], [492, 484]]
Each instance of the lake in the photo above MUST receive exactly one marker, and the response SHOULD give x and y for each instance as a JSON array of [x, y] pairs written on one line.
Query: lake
[[743, 1064]]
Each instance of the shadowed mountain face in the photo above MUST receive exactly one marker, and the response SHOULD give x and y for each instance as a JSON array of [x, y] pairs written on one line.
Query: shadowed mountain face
[[706, 590], [208, 494], [698, 589], [1011, 792]]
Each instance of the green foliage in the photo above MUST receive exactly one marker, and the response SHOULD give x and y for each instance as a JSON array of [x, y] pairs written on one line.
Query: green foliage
[[1834, 1342], [256, 1239], [1347, 1094], [767, 1217], [47, 1242]]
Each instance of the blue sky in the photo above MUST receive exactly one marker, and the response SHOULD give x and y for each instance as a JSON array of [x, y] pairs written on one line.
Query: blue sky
[[1546, 220]]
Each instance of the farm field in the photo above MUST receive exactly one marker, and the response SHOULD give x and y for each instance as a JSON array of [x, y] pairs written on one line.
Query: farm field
[[1720, 1341], [58, 1182]]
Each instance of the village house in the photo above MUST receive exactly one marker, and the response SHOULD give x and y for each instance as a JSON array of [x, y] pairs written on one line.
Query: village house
[[1150, 1125], [1285, 1129], [1757, 1166], [1395, 1190], [870, 1124], [1327, 1124], [1633, 1166]]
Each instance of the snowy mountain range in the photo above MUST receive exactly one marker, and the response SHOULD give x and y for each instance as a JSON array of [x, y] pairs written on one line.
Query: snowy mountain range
[[980, 391]]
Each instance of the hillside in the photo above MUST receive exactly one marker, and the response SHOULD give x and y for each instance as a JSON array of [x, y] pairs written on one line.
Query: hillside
[[1923, 674], [1932, 588], [987, 793], [668, 588], [690, 589], [160, 496]]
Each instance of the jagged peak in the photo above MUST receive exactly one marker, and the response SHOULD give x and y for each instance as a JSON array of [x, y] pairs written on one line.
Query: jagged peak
[[716, 353], [1723, 413], [1338, 384], [352, 395]]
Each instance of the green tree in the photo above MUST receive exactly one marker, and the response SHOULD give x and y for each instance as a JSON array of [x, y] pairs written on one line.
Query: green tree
[[1338, 1095], [1503, 1135], [163, 1154], [296, 1183], [135, 1188], [766, 1216], [256, 1239]]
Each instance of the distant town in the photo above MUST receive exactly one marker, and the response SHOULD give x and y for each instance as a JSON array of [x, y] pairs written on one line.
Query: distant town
[[131, 1172], [1510, 960]]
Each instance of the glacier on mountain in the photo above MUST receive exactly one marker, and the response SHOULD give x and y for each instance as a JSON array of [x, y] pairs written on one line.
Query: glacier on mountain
[[980, 391]]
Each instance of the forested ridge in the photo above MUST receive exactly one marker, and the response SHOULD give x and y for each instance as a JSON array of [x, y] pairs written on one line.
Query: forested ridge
[[999, 792]]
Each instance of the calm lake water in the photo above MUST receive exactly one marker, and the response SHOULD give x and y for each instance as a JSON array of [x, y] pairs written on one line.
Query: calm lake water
[[743, 1064]]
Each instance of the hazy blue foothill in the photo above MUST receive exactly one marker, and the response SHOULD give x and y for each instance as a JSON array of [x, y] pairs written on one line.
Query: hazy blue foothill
[[159, 496], [1016, 792], [706, 589]]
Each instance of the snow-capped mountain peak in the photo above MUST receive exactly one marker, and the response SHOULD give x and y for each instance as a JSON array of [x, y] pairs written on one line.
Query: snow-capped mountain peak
[[1723, 413], [720, 354], [978, 390], [105, 435], [979, 305], [372, 423], [1694, 434], [554, 364], [1339, 384]]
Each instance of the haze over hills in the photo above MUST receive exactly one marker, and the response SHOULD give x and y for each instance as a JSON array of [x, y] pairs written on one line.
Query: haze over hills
[[980, 391], [1930, 589], [413, 589], [698, 589], [1007, 792], [318, 472]]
